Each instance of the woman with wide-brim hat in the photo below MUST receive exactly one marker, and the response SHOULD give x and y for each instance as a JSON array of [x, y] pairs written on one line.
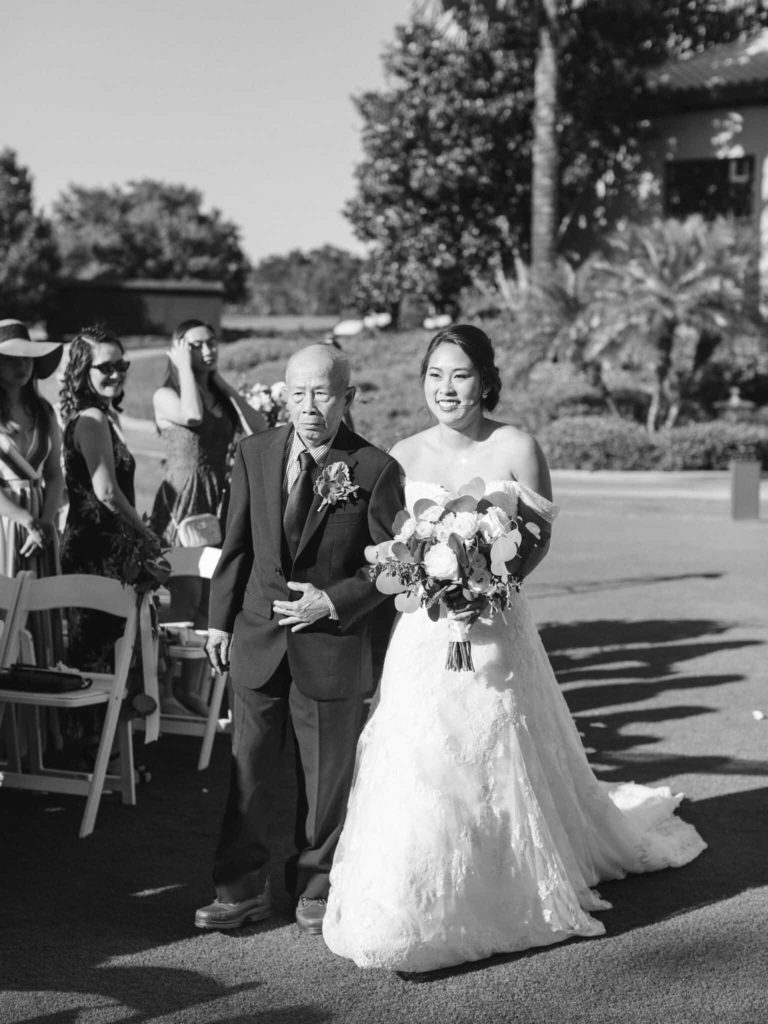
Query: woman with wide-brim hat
[[31, 481]]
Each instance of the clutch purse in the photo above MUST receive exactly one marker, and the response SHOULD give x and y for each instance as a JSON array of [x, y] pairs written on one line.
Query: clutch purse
[[202, 530], [30, 679]]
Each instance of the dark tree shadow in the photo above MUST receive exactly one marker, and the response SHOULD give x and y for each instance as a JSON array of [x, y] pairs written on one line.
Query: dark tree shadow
[[616, 583]]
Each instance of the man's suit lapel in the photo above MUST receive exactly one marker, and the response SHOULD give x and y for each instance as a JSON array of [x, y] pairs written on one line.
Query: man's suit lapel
[[273, 469], [340, 452]]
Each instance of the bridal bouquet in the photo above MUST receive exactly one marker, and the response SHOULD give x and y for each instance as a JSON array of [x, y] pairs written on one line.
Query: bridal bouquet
[[465, 550]]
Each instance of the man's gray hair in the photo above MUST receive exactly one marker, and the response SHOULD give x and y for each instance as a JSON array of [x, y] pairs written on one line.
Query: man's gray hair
[[336, 360]]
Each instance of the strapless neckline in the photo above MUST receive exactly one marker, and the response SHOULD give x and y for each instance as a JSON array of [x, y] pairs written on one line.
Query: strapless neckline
[[509, 486], [491, 485]]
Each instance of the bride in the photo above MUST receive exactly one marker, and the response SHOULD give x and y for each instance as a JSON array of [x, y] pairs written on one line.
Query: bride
[[475, 824]]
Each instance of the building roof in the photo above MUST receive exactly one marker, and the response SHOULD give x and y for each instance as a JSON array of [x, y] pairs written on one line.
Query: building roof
[[727, 71]]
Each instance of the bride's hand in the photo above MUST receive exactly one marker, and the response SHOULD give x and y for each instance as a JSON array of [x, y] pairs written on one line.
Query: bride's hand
[[467, 611], [375, 553]]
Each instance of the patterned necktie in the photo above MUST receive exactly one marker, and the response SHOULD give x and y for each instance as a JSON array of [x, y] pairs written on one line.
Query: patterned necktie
[[298, 503]]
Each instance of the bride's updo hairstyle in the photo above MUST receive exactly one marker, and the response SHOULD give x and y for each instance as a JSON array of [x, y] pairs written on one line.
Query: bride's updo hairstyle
[[478, 346]]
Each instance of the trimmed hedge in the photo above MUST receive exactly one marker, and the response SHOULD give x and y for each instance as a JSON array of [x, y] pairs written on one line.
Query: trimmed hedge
[[713, 445], [598, 442], [607, 442]]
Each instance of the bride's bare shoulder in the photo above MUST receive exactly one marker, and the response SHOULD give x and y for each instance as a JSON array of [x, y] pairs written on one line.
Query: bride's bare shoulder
[[523, 459], [513, 437], [408, 448]]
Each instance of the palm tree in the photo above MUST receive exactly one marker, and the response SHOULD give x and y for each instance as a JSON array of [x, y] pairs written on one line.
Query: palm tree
[[666, 297], [545, 185]]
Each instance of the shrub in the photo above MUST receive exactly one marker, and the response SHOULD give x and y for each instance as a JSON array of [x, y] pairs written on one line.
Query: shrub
[[713, 445], [598, 442], [631, 403]]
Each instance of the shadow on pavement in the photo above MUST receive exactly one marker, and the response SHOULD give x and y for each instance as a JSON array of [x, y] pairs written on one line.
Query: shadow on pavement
[[614, 583]]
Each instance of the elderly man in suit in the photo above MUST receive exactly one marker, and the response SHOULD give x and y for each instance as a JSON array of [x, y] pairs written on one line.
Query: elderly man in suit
[[289, 615]]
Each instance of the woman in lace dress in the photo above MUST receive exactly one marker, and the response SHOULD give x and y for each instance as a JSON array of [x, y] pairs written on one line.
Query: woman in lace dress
[[475, 824], [197, 414], [99, 471]]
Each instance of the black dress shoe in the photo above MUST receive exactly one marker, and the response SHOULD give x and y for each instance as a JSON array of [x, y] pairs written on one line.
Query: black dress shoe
[[221, 916], [310, 914]]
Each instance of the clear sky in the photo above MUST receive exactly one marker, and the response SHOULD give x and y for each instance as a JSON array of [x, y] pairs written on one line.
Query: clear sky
[[246, 100]]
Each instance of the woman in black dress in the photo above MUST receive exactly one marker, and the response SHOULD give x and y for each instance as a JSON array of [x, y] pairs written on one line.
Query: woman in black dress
[[102, 523]]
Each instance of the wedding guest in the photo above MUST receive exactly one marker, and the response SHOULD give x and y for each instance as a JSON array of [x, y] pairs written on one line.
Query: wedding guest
[[31, 480], [102, 522], [197, 413]]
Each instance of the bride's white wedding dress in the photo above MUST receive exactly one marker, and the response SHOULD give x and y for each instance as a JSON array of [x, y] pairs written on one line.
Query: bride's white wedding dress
[[475, 824]]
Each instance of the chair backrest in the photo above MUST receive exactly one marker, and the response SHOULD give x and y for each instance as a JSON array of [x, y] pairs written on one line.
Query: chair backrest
[[10, 591], [191, 568], [84, 591]]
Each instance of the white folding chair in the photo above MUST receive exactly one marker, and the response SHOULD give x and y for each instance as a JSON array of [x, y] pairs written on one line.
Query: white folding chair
[[193, 565], [97, 594], [10, 589]]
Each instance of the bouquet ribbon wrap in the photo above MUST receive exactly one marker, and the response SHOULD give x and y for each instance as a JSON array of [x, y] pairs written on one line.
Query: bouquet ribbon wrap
[[459, 657]]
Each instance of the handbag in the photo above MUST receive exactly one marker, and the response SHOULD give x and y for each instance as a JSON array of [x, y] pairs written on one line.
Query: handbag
[[31, 679], [203, 530]]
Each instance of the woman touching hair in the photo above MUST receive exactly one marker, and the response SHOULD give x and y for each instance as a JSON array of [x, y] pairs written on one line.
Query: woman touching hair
[[197, 414]]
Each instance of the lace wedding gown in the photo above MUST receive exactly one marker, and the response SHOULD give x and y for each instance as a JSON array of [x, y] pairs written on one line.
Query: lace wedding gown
[[475, 824]]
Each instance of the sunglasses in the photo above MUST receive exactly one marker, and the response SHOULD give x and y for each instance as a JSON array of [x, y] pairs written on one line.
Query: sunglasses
[[107, 369]]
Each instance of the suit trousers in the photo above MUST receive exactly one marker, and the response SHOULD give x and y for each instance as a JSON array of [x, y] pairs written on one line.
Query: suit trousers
[[325, 737]]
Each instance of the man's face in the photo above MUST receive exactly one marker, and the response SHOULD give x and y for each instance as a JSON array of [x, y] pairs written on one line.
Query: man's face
[[317, 395]]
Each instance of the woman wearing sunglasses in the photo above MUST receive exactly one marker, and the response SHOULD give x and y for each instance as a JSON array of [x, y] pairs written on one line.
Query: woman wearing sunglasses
[[98, 470]]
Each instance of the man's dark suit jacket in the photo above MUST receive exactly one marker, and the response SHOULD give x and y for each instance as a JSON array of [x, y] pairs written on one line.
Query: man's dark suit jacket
[[328, 659]]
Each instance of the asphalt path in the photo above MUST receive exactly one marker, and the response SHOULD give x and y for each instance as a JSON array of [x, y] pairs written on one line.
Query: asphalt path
[[651, 605]]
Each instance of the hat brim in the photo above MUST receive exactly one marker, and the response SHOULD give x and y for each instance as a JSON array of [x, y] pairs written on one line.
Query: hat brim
[[46, 354]]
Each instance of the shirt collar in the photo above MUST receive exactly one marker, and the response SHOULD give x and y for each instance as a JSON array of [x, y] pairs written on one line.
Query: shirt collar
[[319, 454]]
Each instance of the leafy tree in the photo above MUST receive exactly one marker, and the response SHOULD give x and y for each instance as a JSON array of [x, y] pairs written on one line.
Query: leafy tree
[[445, 184], [668, 296], [148, 229], [441, 189], [29, 259], [320, 281]]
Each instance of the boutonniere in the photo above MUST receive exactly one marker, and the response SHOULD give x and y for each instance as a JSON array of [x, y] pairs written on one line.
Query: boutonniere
[[334, 484]]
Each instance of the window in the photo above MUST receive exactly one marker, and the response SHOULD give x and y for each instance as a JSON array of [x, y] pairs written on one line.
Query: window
[[711, 187]]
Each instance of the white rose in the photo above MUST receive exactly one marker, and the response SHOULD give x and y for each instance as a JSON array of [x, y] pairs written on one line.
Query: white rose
[[465, 524], [444, 528], [494, 523], [423, 529], [406, 530], [441, 563]]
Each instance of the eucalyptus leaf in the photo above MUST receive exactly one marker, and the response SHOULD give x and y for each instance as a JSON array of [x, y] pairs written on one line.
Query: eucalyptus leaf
[[407, 602], [388, 584]]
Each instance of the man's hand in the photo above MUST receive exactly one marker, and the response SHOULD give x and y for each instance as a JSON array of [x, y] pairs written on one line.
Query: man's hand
[[310, 607], [217, 649]]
